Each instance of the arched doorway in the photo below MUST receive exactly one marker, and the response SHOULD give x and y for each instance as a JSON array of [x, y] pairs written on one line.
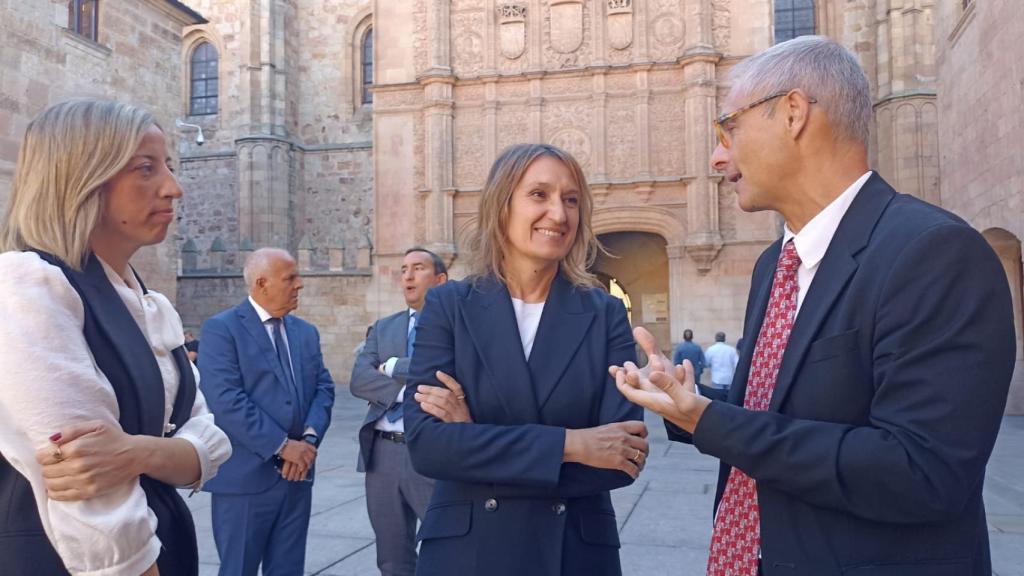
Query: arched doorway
[[1008, 248], [638, 266]]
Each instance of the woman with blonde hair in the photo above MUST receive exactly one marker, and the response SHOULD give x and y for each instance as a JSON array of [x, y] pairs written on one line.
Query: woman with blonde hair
[[528, 434], [100, 417]]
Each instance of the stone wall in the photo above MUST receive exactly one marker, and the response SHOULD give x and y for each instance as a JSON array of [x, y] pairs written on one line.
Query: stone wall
[[136, 59], [981, 130]]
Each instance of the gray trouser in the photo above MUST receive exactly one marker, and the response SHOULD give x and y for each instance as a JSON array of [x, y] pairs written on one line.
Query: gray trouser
[[396, 496]]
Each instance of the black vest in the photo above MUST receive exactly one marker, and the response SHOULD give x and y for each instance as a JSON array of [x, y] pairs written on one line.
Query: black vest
[[123, 354]]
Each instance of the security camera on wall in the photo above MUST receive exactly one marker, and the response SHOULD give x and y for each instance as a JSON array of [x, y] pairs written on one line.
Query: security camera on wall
[[181, 125]]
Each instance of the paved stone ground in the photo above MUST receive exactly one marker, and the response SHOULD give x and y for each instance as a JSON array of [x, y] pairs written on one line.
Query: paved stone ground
[[664, 518]]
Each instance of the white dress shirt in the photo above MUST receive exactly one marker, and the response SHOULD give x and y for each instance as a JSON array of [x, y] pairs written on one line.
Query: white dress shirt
[[50, 380], [383, 424], [265, 319], [812, 241]]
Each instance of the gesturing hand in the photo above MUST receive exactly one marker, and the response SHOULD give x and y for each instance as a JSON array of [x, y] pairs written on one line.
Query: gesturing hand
[[671, 395], [88, 459], [616, 446], [447, 404]]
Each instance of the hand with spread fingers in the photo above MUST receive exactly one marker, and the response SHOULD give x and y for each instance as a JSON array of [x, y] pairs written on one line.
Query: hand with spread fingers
[[447, 404], [669, 391], [86, 460]]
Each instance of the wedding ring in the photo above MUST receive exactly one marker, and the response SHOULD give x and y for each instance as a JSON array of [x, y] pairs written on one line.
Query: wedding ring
[[461, 397], [57, 455], [637, 457]]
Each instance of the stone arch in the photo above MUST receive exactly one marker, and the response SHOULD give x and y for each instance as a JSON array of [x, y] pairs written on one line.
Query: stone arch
[[192, 38], [1007, 247], [354, 52], [651, 219]]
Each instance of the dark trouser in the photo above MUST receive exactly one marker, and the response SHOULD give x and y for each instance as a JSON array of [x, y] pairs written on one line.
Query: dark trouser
[[396, 496], [269, 527]]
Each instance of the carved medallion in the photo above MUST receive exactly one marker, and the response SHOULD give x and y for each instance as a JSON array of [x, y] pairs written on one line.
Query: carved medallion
[[620, 23], [566, 25], [512, 28], [574, 142]]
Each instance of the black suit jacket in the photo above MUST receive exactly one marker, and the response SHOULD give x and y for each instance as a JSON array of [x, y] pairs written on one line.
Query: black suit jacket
[[504, 503], [871, 457]]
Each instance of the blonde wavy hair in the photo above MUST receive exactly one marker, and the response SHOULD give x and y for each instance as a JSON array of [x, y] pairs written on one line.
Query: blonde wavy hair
[[69, 152], [488, 242]]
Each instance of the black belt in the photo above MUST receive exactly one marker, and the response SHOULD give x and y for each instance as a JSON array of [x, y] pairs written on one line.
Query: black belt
[[396, 437]]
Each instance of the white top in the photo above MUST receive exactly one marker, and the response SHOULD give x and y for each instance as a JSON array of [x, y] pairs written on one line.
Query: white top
[[383, 424], [528, 319], [721, 359], [813, 240], [50, 380]]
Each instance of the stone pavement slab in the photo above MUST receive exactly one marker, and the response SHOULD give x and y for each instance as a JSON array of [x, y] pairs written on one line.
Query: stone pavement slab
[[664, 518]]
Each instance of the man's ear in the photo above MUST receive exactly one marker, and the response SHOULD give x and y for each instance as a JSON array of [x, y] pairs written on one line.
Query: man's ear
[[798, 111], [261, 282], [442, 277]]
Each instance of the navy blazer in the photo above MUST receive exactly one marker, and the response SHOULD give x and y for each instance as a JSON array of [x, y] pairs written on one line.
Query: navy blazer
[[871, 457], [246, 390], [504, 502]]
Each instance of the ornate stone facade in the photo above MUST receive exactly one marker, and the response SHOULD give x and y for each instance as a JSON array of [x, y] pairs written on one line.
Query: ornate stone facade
[[295, 158]]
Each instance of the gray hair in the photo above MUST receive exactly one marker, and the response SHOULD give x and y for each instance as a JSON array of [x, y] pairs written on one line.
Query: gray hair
[[258, 262], [823, 69]]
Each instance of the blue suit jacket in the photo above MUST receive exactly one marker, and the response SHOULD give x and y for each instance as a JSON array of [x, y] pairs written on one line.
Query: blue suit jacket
[[504, 502], [871, 457], [246, 390]]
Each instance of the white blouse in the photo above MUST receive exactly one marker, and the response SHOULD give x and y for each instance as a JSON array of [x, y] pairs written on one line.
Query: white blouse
[[50, 380]]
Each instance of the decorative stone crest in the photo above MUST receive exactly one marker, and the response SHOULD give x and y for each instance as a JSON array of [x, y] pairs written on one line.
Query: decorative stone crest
[[566, 25], [575, 142], [620, 23], [512, 28]]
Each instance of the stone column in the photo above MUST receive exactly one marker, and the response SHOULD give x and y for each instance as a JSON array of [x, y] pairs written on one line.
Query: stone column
[[490, 122], [438, 114], [643, 98], [599, 152], [699, 61], [676, 290]]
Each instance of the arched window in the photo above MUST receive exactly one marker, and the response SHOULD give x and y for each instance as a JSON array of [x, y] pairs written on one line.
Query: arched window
[[203, 76], [793, 18], [366, 66], [84, 17]]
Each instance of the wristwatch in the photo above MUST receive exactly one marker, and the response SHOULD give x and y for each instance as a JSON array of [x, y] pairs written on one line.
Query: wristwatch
[[311, 438]]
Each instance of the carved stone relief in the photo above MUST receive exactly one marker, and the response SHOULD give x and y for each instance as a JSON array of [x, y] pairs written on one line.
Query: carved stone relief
[[467, 43], [513, 126], [667, 29], [667, 134], [621, 138], [721, 26], [575, 142], [565, 25], [568, 125], [512, 29], [468, 128], [420, 41], [620, 23]]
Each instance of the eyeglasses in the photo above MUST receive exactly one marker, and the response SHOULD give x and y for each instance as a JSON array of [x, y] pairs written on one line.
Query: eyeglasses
[[723, 134]]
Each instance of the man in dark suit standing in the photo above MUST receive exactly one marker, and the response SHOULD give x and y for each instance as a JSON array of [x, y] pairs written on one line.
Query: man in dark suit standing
[[862, 413], [265, 382], [396, 495]]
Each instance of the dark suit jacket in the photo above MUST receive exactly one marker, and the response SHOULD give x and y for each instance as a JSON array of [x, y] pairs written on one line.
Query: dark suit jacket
[[504, 502], [871, 457], [388, 337], [246, 390]]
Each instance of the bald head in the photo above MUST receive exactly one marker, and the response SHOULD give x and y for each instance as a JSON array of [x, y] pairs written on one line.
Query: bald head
[[273, 280]]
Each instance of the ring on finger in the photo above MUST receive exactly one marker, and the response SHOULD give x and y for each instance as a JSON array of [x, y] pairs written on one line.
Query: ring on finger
[[637, 457], [460, 397], [57, 454]]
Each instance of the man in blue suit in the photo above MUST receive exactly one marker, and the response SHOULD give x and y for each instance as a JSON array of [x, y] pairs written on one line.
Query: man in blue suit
[[864, 408], [265, 382]]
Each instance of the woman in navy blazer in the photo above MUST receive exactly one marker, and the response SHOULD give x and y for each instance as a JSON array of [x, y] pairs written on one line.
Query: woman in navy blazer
[[526, 450]]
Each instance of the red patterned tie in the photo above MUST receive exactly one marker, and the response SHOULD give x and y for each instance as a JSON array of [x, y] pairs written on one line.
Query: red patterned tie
[[736, 540]]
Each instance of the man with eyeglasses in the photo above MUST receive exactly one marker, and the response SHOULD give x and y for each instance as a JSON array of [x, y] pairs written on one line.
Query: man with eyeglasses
[[859, 422]]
